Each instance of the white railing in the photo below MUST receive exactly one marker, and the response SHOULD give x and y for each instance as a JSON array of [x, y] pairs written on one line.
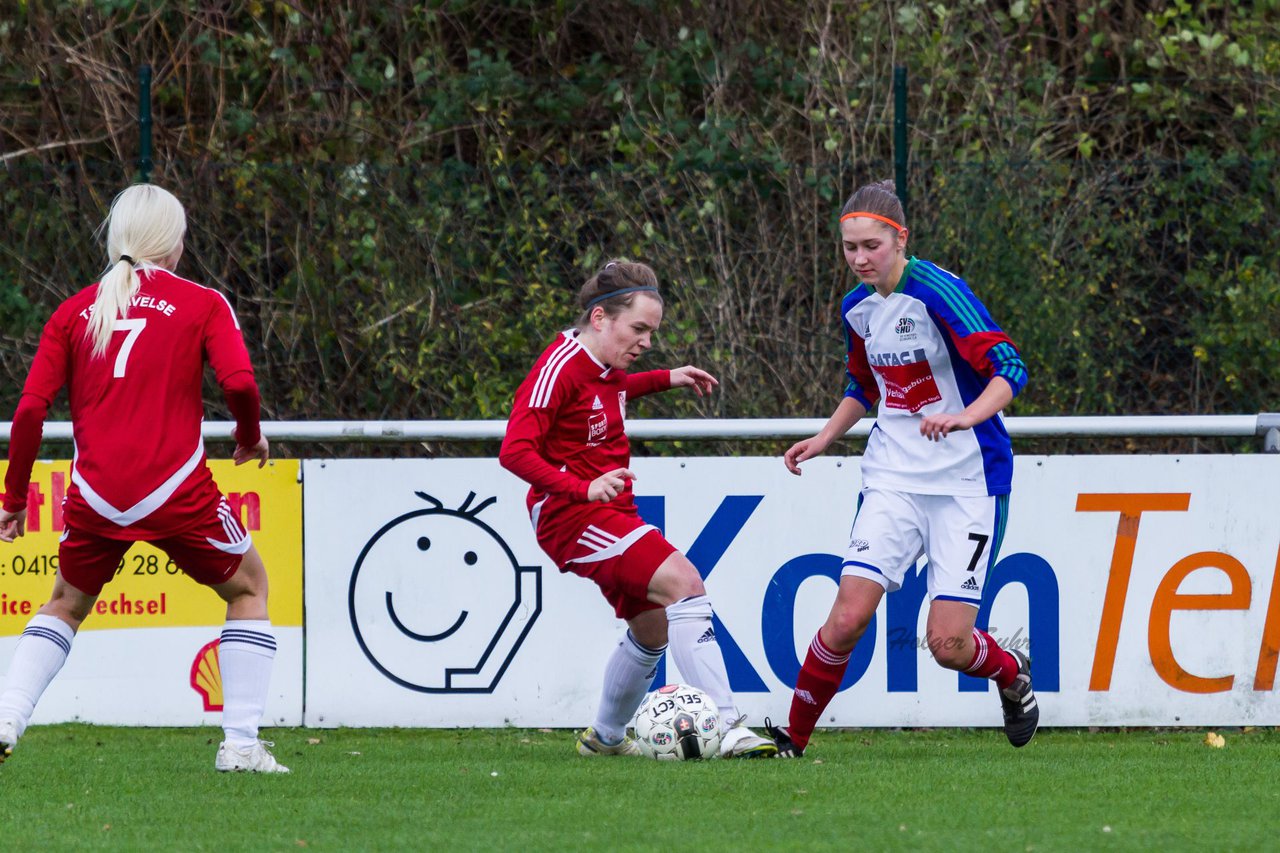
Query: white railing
[[1265, 426]]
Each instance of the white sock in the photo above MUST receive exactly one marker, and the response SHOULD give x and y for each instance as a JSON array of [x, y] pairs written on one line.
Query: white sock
[[698, 656], [245, 654], [41, 652], [627, 676]]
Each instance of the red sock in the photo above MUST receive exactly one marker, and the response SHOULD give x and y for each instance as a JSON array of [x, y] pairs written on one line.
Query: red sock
[[817, 683], [991, 661]]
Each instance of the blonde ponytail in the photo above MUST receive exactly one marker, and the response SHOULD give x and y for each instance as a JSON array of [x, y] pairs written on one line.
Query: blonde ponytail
[[144, 228], [115, 289]]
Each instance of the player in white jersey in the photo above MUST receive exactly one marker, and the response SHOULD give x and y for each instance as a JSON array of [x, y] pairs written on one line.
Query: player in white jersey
[[936, 471]]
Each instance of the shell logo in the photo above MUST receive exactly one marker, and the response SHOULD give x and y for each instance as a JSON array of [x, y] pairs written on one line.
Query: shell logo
[[206, 676]]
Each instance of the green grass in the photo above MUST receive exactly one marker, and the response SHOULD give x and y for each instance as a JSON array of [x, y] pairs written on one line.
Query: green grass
[[93, 787]]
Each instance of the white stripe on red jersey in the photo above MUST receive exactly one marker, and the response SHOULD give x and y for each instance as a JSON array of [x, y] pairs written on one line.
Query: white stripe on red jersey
[[551, 371], [144, 507]]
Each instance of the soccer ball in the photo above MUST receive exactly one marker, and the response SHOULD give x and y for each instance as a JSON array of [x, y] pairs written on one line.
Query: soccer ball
[[678, 723]]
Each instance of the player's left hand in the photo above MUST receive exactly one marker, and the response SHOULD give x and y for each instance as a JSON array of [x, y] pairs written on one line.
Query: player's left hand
[[12, 524], [936, 427], [260, 451], [693, 377]]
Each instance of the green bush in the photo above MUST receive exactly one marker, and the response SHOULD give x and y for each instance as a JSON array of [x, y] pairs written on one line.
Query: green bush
[[402, 199]]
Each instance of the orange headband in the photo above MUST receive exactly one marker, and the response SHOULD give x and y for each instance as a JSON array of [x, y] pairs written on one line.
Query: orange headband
[[883, 219]]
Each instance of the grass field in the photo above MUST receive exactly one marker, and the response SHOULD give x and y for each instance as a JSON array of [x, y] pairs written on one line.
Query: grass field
[[93, 787]]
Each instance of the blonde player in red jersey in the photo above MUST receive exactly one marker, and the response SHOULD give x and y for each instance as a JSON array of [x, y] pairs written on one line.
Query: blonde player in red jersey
[[566, 437], [131, 352]]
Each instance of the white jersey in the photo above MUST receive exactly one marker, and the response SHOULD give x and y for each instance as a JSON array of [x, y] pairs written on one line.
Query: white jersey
[[930, 347]]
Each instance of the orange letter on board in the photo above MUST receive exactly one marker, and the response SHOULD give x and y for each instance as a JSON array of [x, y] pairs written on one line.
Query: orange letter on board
[[1270, 650], [1131, 507], [1168, 599]]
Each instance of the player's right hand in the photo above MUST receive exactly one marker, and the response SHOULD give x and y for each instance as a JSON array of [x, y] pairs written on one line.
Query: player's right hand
[[12, 524], [260, 451], [609, 485], [693, 377], [800, 451]]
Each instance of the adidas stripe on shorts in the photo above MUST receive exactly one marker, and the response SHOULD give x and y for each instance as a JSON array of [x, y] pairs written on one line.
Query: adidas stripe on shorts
[[616, 550], [960, 536]]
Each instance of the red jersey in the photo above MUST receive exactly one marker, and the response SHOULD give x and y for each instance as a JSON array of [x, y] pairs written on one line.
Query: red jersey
[[567, 427], [139, 469]]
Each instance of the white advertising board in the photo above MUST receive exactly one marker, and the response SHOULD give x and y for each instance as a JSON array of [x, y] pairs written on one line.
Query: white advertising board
[[147, 653], [147, 677], [1144, 588]]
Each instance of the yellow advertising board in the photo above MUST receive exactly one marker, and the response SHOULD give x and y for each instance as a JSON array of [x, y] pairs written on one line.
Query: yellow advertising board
[[149, 591]]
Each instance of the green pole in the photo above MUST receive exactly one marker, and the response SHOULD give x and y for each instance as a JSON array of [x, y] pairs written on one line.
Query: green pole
[[900, 134], [144, 123]]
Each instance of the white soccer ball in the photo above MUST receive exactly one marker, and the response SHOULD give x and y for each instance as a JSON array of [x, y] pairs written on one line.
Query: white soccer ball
[[678, 723]]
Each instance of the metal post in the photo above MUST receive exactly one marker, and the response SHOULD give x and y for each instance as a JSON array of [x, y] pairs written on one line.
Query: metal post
[[1269, 428], [900, 134], [144, 123]]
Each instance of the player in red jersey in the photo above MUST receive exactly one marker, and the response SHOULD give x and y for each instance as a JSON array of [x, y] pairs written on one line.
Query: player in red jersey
[[131, 352], [566, 437]]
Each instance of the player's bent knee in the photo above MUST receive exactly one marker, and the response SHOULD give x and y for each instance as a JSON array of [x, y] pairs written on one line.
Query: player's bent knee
[[675, 579], [842, 631], [248, 583], [649, 628], [68, 603], [950, 652], [67, 611]]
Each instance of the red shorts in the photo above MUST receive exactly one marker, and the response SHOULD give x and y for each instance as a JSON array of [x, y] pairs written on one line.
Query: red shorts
[[208, 553], [616, 550]]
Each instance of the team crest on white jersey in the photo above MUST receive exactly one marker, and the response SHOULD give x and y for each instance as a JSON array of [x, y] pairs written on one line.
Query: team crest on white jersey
[[597, 404]]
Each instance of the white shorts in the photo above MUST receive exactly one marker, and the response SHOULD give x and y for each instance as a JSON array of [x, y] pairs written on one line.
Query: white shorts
[[959, 535]]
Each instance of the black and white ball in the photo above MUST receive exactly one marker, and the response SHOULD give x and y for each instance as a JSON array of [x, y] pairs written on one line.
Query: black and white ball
[[678, 723]]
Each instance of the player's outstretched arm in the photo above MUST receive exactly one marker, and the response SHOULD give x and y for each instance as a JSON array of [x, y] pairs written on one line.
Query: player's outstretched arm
[[693, 377], [848, 413]]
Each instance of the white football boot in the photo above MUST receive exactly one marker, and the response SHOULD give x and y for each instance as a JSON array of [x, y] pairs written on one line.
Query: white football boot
[[8, 738], [738, 741], [250, 759]]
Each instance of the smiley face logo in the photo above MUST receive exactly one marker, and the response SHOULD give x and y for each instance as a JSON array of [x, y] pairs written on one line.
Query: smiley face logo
[[438, 602]]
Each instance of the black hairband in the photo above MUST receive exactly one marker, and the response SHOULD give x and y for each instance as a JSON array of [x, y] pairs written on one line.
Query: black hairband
[[602, 297], [130, 261]]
